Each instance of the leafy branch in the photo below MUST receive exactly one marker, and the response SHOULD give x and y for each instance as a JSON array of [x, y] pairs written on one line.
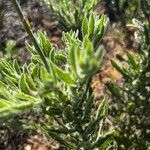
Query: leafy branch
[[30, 33], [59, 82]]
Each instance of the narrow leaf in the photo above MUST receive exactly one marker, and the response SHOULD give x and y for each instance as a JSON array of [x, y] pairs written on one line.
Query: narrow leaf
[[72, 59], [119, 69], [132, 61], [65, 76], [23, 84], [16, 67], [85, 27], [91, 24]]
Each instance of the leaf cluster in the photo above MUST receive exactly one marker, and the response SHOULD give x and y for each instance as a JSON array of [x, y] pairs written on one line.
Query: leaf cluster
[[122, 10], [70, 13], [131, 99], [63, 89]]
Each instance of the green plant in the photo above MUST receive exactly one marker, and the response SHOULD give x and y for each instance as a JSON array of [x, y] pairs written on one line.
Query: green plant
[[58, 82], [122, 10], [70, 13], [131, 99], [95, 29], [9, 52]]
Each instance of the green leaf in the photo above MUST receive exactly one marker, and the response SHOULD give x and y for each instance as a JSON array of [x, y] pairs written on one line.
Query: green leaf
[[53, 71], [61, 140], [71, 38], [101, 22], [73, 59], [98, 36], [4, 93], [119, 69], [7, 65], [23, 84], [26, 97], [22, 106], [10, 83], [36, 59], [25, 69], [35, 71], [101, 140], [132, 61], [91, 128], [65, 76], [2, 85], [91, 24], [114, 89], [99, 53], [13, 79], [60, 59], [85, 26], [16, 67], [31, 49], [103, 108], [3, 103], [45, 43], [87, 46], [7, 68], [44, 75], [30, 82]]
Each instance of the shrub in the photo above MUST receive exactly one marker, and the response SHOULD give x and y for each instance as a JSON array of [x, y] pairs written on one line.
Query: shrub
[[131, 99], [122, 10], [70, 13], [57, 82]]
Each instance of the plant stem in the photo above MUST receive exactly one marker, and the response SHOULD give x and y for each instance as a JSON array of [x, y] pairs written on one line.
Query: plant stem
[[30, 33]]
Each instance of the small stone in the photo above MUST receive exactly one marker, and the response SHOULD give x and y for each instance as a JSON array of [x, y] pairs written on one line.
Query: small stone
[[27, 147]]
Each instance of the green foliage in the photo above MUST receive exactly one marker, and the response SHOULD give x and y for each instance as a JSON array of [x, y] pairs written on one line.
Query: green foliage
[[129, 9], [123, 10], [10, 50], [63, 90], [131, 99], [145, 5], [17, 91], [70, 13], [95, 27]]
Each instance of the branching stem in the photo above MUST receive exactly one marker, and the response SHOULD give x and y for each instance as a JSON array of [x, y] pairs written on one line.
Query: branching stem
[[30, 33]]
